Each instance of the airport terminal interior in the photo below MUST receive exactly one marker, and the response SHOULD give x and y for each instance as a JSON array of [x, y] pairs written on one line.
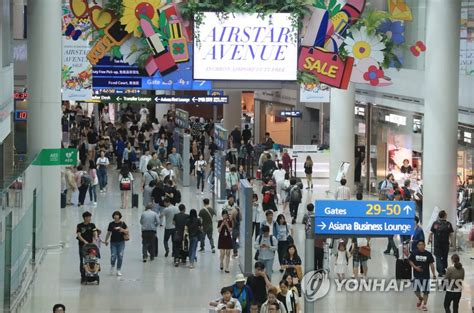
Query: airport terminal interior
[[231, 156]]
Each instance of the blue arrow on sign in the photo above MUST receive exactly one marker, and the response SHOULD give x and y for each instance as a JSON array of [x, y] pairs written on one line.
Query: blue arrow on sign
[[363, 227]]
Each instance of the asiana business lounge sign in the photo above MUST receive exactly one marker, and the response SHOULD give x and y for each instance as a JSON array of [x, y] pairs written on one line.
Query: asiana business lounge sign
[[246, 47]]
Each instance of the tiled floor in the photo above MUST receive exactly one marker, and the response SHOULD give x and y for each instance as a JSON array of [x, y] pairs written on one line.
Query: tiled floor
[[160, 287]]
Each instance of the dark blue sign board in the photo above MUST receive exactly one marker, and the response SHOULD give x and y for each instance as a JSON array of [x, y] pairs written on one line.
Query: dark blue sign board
[[117, 74], [291, 114], [364, 218]]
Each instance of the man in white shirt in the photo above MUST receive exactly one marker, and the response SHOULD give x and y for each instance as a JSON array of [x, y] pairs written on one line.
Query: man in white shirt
[[279, 177], [143, 114], [168, 171], [144, 159], [343, 192], [268, 222]]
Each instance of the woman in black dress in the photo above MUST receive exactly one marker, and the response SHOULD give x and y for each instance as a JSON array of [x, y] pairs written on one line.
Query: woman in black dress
[[224, 243]]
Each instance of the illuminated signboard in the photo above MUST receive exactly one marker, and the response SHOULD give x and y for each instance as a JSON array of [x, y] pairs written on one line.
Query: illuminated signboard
[[246, 47], [21, 115], [291, 114], [20, 95]]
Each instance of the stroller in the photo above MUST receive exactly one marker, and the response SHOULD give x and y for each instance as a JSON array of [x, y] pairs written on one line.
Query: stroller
[[91, 263]]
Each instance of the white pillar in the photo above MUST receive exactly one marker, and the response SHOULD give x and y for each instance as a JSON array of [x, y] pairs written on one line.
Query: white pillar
[[341, 134], [441, 107], [233, 110], [44, 118]]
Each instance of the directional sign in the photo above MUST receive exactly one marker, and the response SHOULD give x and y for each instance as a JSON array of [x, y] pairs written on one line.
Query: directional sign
[[291, 114], [123, 98], [193, 99], [364, 218]]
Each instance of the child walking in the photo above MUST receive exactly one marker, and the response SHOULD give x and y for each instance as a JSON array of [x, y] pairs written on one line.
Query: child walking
[[342, 260]]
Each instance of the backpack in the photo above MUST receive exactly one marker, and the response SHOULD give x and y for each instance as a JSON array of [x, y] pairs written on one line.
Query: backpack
[[125, 183], [380, 184], [295, 194], [177, 196], [406, 194], [266, 197], [85, 179], [442, 232]]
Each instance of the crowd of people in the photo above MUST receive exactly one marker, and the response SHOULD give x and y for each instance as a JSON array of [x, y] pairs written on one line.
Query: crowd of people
[[144, 153]]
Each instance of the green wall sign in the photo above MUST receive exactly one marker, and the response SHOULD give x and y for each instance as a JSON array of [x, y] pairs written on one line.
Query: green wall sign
[[56, 157]]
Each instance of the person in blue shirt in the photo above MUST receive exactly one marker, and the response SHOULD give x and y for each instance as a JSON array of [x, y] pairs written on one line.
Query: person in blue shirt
[[119, 148], [418, 234], [242, 292]]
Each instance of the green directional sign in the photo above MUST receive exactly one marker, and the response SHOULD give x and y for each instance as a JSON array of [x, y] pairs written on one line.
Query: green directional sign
[[123, 98], [56, 157]]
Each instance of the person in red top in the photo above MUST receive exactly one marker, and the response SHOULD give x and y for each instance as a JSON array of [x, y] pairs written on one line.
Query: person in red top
[[286, 160]]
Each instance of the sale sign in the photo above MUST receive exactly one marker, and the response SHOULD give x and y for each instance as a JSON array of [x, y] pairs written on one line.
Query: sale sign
[[327, 66]]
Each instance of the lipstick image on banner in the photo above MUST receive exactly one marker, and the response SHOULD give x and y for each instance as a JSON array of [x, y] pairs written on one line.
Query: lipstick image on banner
[[162, 62], [177, 43], [152, 38]]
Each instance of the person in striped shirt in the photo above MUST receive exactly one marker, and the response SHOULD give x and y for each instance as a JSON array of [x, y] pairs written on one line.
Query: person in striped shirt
[[343, 192]]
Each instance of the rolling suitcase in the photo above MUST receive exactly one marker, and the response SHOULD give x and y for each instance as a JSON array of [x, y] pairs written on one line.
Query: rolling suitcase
[[134, 200], [403, 269], [63, 200]]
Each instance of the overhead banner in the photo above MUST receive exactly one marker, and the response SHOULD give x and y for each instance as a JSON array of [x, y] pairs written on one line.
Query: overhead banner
[[315, 93], [246, 47], [76, 69]]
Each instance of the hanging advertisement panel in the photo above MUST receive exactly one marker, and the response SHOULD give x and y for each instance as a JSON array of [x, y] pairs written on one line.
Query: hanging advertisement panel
[[315, 93], [246, 47], [76, 69]]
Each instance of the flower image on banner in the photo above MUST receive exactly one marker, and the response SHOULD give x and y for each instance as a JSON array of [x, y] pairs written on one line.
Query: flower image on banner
[[362, 45], [130, 49], [76, 69], [135, 8], [368, 71], [394, 30]]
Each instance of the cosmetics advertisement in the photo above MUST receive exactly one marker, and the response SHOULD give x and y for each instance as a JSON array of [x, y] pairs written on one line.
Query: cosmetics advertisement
[[246, 47]]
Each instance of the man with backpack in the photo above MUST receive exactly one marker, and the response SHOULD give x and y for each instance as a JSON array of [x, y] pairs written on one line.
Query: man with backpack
[[295, 196], [442, 231], [266, 245]]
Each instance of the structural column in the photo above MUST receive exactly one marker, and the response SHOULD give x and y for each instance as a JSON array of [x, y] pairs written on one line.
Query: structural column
[[341, 134], [441, 107], [44, 118], [233, 110]]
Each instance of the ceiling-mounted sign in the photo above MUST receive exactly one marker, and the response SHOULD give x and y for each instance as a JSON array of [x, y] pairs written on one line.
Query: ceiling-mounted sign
[[246, 47], [192, 99], [291, 114], [315, 93], [111, 98]]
